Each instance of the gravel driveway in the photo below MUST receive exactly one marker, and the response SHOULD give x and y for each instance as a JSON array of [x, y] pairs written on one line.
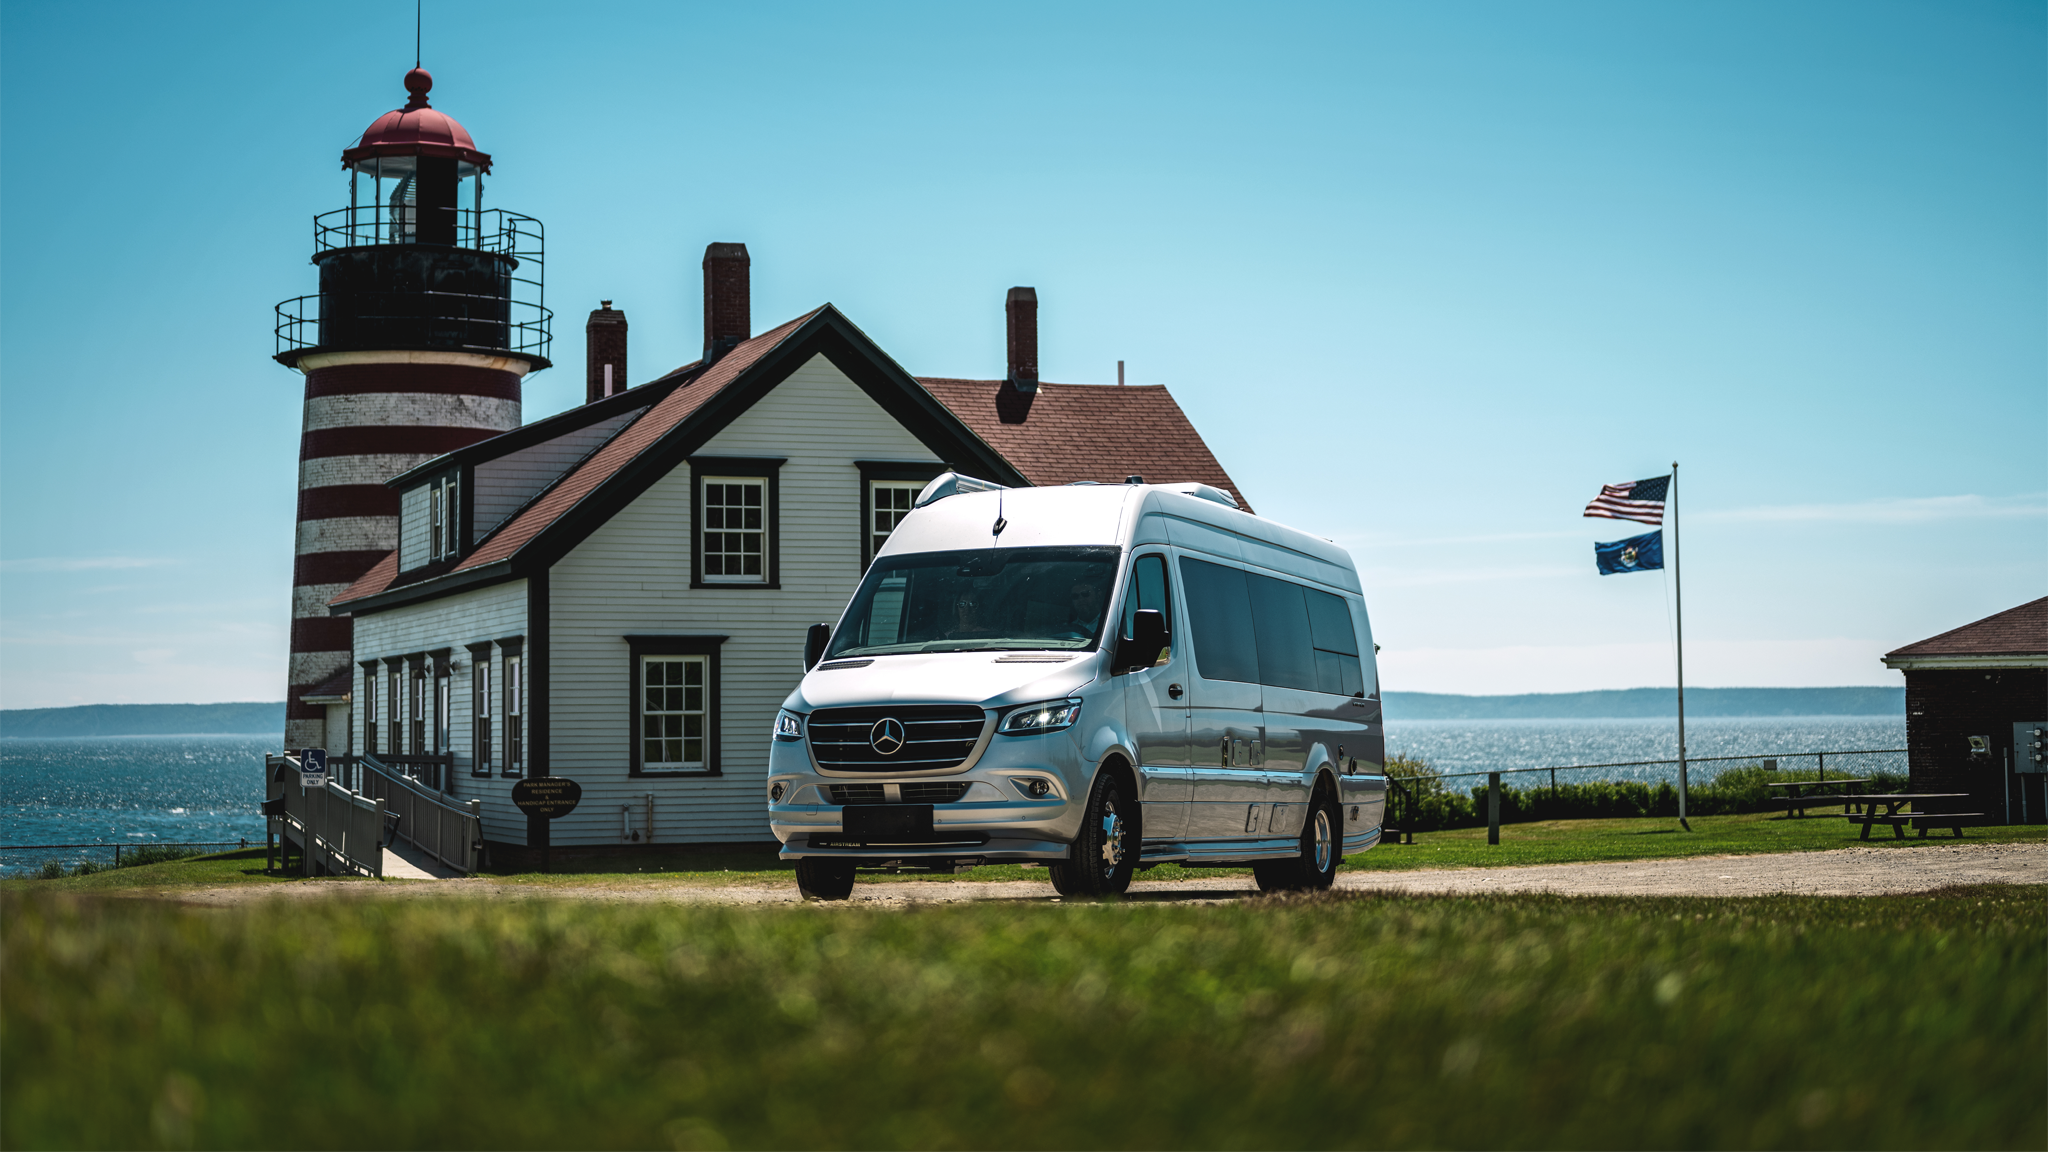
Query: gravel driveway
[[1859, 871]]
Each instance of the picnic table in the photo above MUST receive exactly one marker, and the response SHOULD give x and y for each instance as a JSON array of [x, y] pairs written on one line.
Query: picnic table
[[1892, 802], [1798, 801]]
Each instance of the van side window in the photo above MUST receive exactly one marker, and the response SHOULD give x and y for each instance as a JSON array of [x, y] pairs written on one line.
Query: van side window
[[1148, 590], [1280, 621], [1337, 666], [1220, 616]]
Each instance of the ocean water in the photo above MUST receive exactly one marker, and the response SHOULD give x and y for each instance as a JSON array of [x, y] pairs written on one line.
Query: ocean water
[[1497, 745], [128, 789], [181, 789]]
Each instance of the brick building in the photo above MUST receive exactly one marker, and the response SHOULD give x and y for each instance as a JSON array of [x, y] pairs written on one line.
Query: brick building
[[1970, 694]]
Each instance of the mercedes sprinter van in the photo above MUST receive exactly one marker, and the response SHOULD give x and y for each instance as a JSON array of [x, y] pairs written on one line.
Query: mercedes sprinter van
[[1098, 678]]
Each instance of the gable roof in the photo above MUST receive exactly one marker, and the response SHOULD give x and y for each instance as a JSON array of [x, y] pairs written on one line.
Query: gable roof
[[2016, 637], [1100, 432], [698, 404]]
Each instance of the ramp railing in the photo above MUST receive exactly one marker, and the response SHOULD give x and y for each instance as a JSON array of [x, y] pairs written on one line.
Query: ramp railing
[[338, 831], [450, 831]]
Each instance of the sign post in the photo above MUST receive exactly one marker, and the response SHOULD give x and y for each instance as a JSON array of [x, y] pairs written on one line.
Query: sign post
[[550, 796]]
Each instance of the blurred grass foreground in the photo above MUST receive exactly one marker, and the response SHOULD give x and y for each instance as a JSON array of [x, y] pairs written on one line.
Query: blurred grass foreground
[[1338, 1021]]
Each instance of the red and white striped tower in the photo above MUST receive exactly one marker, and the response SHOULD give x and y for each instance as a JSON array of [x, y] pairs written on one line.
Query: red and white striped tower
[[428, 318]]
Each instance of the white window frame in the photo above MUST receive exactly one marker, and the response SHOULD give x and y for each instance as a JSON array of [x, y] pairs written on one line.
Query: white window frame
[[901, 492], [706, 530], [683, 714]]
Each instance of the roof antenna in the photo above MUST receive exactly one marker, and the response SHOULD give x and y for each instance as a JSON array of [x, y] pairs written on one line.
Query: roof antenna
[[1000, 522], [418, 18]]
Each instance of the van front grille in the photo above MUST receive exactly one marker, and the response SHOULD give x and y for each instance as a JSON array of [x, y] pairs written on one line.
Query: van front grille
[[928, 792], [941, 792], [935, 737]]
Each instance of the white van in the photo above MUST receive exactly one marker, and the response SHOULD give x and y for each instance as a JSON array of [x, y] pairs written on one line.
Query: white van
[[1099, 678]]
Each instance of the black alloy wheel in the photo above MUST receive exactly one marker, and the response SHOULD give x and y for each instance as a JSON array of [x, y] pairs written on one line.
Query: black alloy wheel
[[1105, 854], [1322, 849], [823, 879]]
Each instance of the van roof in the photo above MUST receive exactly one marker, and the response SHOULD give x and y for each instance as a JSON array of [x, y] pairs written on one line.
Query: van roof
[[1117, 514]]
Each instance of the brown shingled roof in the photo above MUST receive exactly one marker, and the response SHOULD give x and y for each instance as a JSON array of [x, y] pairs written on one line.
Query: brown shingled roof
[[583, 479], [2021, 631], [619, 450], [377, 579], [1069, 432], [1061, 434]]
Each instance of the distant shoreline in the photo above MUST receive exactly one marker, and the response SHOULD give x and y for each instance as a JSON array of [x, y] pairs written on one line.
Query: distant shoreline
[[1650, 704], [236, 719], [267, 719]]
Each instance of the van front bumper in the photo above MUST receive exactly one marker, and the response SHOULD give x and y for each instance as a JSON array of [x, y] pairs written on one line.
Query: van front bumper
[[992, 822]]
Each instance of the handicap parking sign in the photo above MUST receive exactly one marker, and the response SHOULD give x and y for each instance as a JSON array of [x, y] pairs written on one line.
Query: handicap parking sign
[[313, 767]]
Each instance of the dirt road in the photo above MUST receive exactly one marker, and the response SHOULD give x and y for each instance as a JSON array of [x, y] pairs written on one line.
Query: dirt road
[[1843, 872]]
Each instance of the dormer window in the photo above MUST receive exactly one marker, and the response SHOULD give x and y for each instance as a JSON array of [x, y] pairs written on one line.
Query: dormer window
[[442, 535]]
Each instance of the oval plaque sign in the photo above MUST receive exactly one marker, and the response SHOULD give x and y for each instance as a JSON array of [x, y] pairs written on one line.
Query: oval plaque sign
[[549, 796]]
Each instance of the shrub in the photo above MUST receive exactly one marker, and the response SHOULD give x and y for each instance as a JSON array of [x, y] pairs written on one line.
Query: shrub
[[155, 854], [51, 870], [87, 868]]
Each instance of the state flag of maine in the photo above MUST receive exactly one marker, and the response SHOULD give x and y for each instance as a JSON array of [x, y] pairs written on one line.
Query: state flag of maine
[[1635, 554]]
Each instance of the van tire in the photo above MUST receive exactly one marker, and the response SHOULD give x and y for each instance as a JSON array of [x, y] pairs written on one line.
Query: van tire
[[824, 879], [1322, 849], [1106, 852]]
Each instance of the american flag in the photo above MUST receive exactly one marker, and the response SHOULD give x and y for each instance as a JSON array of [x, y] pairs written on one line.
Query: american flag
[[1637, 500]]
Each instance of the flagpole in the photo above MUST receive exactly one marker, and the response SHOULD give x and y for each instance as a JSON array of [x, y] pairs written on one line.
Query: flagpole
[[1678, 590]]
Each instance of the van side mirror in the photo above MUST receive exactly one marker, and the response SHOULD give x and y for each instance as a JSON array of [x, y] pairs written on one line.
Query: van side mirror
[[1147, 639], [814, 644]]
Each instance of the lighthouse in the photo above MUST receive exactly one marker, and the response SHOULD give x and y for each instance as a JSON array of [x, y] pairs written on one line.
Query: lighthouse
[[430, 313]]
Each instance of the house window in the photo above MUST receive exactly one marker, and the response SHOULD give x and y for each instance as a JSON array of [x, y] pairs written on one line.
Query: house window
[[394, 708], [736, 542], [480, 748], [369, 710], [888, 503], [673, 692], [416, 709], [888, 488], [515, 715], [675, 704], [735, 530], [441, 709]]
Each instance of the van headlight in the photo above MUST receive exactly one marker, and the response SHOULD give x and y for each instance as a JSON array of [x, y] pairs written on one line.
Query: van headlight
[[789, 726], [1047, 716]]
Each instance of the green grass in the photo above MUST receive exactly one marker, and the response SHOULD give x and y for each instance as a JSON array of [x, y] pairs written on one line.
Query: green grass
[[242, 866], [1527, 1021]]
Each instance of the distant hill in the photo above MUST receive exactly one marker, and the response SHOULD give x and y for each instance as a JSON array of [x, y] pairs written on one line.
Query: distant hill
[[144, 720], [1649, 703]]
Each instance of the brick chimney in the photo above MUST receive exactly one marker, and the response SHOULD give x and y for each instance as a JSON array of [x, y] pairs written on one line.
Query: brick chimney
[[604, 342], [1021, 311], [728, 317]]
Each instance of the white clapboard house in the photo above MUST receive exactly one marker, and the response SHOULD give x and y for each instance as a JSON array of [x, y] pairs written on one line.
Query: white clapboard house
[[619, 593]]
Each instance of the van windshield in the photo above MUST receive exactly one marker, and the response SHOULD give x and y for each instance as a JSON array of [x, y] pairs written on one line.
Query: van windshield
[[981, 598]]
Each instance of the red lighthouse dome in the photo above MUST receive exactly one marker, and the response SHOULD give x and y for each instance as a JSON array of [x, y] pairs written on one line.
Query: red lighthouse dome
[[415, 130]]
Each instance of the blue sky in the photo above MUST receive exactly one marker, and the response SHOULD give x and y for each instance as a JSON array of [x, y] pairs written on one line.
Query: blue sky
[[1424, 274]]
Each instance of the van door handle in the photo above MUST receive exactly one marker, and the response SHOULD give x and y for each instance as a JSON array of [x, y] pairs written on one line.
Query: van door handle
[[1173, 690]]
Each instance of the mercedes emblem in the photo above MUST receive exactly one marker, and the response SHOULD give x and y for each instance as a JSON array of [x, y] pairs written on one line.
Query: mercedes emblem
[[886, 737]]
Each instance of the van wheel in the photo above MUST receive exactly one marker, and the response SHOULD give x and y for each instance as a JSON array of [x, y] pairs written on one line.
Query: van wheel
[[824, 879], [1106, 852], [1322, 846]]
